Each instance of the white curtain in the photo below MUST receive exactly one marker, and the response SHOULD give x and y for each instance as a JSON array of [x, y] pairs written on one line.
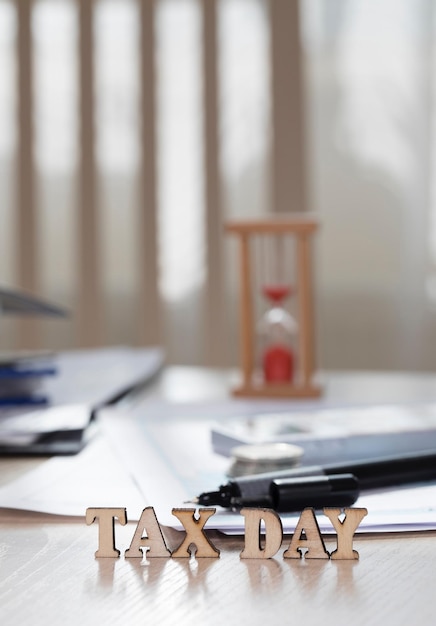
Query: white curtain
[[370, 68]]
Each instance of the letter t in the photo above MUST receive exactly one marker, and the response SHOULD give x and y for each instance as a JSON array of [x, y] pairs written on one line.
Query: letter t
[[106, 528]]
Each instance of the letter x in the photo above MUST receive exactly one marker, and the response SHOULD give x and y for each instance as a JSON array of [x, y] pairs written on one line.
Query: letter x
[[195, 534]]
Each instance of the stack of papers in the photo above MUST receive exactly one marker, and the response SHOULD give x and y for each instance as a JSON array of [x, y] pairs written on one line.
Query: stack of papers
[[61, 429], [86, 381]]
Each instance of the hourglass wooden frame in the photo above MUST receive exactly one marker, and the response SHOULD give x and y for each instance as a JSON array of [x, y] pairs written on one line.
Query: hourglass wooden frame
[[301, 228]]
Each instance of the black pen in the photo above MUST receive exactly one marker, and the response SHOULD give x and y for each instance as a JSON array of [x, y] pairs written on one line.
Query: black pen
[[293, 489]]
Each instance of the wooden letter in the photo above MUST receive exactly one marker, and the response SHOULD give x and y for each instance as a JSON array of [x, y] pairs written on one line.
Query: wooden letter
[[345, 531], [273, 533], [153, 541], [106, 529], [195, 533], [311, 540]]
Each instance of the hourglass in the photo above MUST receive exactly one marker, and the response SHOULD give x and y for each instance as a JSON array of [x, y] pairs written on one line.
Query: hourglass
[[276, 307]]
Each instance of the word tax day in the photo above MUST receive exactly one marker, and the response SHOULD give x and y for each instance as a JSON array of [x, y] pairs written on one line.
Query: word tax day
[[262, 540]]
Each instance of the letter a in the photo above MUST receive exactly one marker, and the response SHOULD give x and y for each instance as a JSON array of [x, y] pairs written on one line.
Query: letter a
[[273, 533], [345, 531], [154, 540], [195, 533], [308, 525]]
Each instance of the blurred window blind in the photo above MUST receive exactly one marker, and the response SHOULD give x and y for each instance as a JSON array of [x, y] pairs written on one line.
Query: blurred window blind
[[131, 129], [8, 154], [55, 115]]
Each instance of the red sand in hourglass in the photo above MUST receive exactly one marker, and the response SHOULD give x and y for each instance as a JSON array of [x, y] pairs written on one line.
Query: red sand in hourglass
[[278, 359], [277, 293]]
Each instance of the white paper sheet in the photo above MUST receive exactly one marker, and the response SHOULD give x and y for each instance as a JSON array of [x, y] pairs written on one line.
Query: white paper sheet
[[67, 485]]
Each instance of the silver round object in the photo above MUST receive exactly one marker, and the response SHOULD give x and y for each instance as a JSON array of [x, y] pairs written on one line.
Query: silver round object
[[263, 457]]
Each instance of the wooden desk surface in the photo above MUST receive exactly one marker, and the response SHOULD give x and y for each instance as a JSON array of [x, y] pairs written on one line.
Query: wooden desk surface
[[48, 575]]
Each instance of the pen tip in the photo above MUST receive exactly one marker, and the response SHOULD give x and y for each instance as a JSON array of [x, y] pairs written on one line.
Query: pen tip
[[193, 500]]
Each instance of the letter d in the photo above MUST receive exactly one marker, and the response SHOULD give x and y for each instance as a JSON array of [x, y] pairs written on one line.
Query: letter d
[[273, 533]]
